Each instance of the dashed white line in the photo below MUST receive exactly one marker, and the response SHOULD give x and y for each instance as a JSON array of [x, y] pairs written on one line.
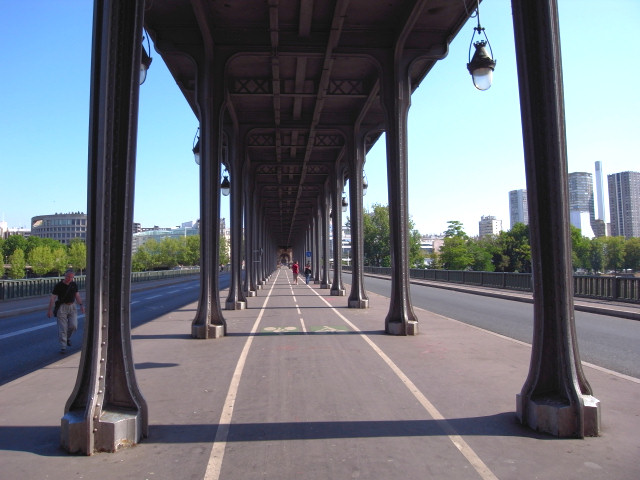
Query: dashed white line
[[454, 437]]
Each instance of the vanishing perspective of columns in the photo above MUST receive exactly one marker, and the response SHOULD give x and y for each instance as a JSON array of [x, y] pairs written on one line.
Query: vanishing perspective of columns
[[324, 217], [106, 410], [556, 397]]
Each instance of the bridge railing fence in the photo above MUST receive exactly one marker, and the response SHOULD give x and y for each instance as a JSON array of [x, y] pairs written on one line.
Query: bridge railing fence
[[33, 287], [621, 289]]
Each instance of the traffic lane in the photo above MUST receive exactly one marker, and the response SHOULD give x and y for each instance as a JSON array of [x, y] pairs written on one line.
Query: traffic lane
[[29, 341], [606, 341]]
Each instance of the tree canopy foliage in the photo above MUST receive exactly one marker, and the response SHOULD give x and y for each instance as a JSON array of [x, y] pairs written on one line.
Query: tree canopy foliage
[[510, 251], [377, 239], [43, 256]]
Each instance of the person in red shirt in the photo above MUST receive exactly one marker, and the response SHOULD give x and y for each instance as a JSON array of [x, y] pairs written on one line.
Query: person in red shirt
[[295, 269]]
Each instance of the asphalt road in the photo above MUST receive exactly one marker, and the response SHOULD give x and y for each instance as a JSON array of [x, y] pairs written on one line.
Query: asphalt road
[[29, 341], [606, 341]]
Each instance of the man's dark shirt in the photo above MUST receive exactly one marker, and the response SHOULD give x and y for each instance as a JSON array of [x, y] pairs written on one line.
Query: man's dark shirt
[[65, 293]]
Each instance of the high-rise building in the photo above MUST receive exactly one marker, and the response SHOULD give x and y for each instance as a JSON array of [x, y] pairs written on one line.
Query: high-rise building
[[488, 225], [581, 204], [600, 212], [581, 193], [518, 207], [624, 204]]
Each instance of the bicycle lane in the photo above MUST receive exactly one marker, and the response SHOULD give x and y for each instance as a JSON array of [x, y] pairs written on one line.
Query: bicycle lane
[[315, 400]]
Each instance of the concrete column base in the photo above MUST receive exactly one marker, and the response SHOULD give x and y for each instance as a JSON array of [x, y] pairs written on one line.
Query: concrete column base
[[207, 331], [558, 418], [338, 292], [325, 286], [251, 293], [359, 303], [233, 305], [397, 328], [116, 429]]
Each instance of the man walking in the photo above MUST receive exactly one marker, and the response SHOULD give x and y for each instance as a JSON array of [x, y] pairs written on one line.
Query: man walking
[[64, 296]]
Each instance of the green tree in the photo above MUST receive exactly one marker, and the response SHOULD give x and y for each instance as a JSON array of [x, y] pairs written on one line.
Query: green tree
[[41, 260], [614, 253], [60, 259], [377, 236], [580, 249], [455, 253], [12, 243], [597, 254], [77, 254], [632, 254], [416, 255], [514, 250], [18, 264], [223, 251], [482, 251]]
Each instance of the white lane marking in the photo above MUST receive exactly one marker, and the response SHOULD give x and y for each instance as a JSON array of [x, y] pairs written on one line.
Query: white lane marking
[[220, 442], [455, 438], [304, 327], [27, 330], [520, 342]]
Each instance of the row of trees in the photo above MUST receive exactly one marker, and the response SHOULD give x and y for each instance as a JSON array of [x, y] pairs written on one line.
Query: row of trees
[[510, 251], [43, 256], [506, 252]]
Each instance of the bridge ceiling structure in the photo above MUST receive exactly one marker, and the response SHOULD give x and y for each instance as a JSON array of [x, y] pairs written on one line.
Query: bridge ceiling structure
[[297, 75]]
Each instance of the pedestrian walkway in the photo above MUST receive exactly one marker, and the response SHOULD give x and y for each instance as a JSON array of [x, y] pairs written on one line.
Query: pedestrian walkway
[[304, 388]]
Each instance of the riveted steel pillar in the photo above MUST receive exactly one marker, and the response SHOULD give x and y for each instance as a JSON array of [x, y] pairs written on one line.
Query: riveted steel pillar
[[253, 250], [324, 217], [317, 232], [556, 397], [396, 96], [209, 322], [356, 151], [337, 182], [236, 299], [106, 410]]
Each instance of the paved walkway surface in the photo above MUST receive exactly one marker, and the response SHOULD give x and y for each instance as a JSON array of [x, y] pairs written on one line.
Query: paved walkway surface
[[304, 388]]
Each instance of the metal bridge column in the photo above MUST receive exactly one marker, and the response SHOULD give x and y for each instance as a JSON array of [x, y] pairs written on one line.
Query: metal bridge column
[[209, 322], [337, 182], [355, 154], [236, 299], [106, 410], [324, 218], [556, 397], [396, 97]]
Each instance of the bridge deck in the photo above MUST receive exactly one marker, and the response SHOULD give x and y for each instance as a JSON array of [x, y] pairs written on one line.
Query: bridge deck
[[303, 387]]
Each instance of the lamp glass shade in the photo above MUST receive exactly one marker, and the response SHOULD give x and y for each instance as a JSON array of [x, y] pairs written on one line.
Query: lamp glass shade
[[143, 73], [345, 204], [225, 186], [145, 63], [196, 152], [481, 67], [482, 78], [365, 186]]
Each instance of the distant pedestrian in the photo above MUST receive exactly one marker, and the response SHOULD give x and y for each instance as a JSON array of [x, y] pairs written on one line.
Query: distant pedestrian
[[307, 273], [64, 296], [295, 269]]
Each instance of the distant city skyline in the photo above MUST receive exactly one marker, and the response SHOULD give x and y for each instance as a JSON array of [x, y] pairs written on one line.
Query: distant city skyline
[[465, 146]]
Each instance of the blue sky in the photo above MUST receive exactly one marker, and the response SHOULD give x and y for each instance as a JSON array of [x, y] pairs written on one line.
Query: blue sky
[[465, 146]]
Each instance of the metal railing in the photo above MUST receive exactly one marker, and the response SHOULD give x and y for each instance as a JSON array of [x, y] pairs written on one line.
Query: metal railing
[[621, 289], [33, 287]]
